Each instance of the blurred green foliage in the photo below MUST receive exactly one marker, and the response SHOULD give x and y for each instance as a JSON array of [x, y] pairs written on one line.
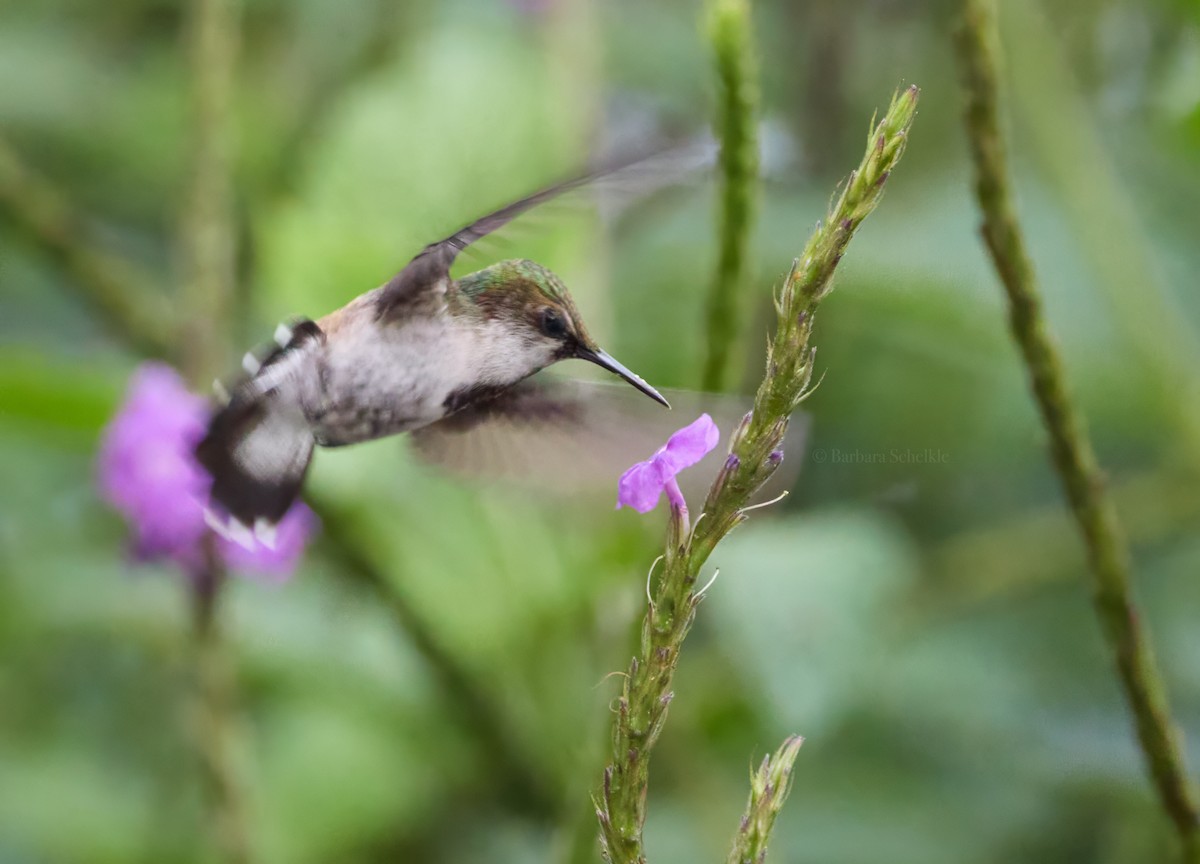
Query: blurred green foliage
[[916, 611]]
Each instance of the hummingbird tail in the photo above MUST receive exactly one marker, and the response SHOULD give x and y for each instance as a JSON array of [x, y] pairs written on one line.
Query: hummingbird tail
[[257, 452]]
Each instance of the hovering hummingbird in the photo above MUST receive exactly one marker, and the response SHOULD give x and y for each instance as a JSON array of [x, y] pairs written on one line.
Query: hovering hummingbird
[[423, 352]]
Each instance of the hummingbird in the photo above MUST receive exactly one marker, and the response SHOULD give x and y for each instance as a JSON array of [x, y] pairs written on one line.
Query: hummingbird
[[422, 353]]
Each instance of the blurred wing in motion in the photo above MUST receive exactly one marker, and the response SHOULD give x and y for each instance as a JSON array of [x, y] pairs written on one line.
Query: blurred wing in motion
[[431, 266], [567, 437]]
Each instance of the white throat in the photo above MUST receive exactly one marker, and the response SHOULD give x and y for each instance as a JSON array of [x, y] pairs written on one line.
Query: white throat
[[498, 354]]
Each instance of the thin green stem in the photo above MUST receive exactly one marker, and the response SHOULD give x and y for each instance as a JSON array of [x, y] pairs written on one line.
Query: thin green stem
[[1064, 144], [215, 714], [755, 453], [207, 236], [1070, 445], [206, 239], [732, 38]]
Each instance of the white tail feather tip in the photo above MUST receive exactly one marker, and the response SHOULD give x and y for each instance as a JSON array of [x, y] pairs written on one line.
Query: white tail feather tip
[[266, 533], [231, 529]]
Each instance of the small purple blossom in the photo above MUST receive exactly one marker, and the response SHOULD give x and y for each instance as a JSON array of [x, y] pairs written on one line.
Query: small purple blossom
[[642, 486], [148, 472]]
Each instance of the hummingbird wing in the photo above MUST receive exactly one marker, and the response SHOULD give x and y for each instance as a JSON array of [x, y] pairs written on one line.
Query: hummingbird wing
[[431, 266], [566, 436]]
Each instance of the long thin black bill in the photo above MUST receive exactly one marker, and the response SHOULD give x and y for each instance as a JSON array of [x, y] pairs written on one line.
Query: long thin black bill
[[606, 361]]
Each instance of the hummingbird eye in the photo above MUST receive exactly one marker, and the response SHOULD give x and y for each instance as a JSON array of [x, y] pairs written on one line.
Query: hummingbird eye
[[553, 324]]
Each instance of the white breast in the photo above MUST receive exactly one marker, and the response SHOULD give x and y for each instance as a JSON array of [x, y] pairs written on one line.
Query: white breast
[[381, 380]]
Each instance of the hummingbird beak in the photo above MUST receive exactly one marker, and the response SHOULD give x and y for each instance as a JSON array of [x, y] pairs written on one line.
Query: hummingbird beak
[[606, 361]]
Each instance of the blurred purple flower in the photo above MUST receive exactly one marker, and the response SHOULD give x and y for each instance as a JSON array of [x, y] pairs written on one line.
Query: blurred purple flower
[[146, 467], [148, 472], [642, 486]]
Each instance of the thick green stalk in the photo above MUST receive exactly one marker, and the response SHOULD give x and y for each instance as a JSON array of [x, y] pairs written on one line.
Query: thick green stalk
[[731, 34], [755, 453], [1070, 445]]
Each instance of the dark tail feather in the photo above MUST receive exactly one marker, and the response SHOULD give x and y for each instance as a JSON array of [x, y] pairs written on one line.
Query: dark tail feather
[[257, 452]]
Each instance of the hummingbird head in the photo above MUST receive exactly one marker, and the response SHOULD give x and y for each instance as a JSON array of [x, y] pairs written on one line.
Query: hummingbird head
[[534, 309]]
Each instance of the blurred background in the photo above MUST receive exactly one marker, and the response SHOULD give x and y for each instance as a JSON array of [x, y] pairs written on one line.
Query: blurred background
[[430, 685]]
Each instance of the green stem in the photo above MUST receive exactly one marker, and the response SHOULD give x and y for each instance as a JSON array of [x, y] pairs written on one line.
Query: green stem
[[207, 234], [206, 241], [215, 715], [1070, 445], [755, 453], [1070, 153], [731, 34]]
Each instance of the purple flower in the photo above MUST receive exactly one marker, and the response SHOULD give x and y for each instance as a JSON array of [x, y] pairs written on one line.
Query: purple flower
[[146, 467], [642, 486], [148, 472]]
